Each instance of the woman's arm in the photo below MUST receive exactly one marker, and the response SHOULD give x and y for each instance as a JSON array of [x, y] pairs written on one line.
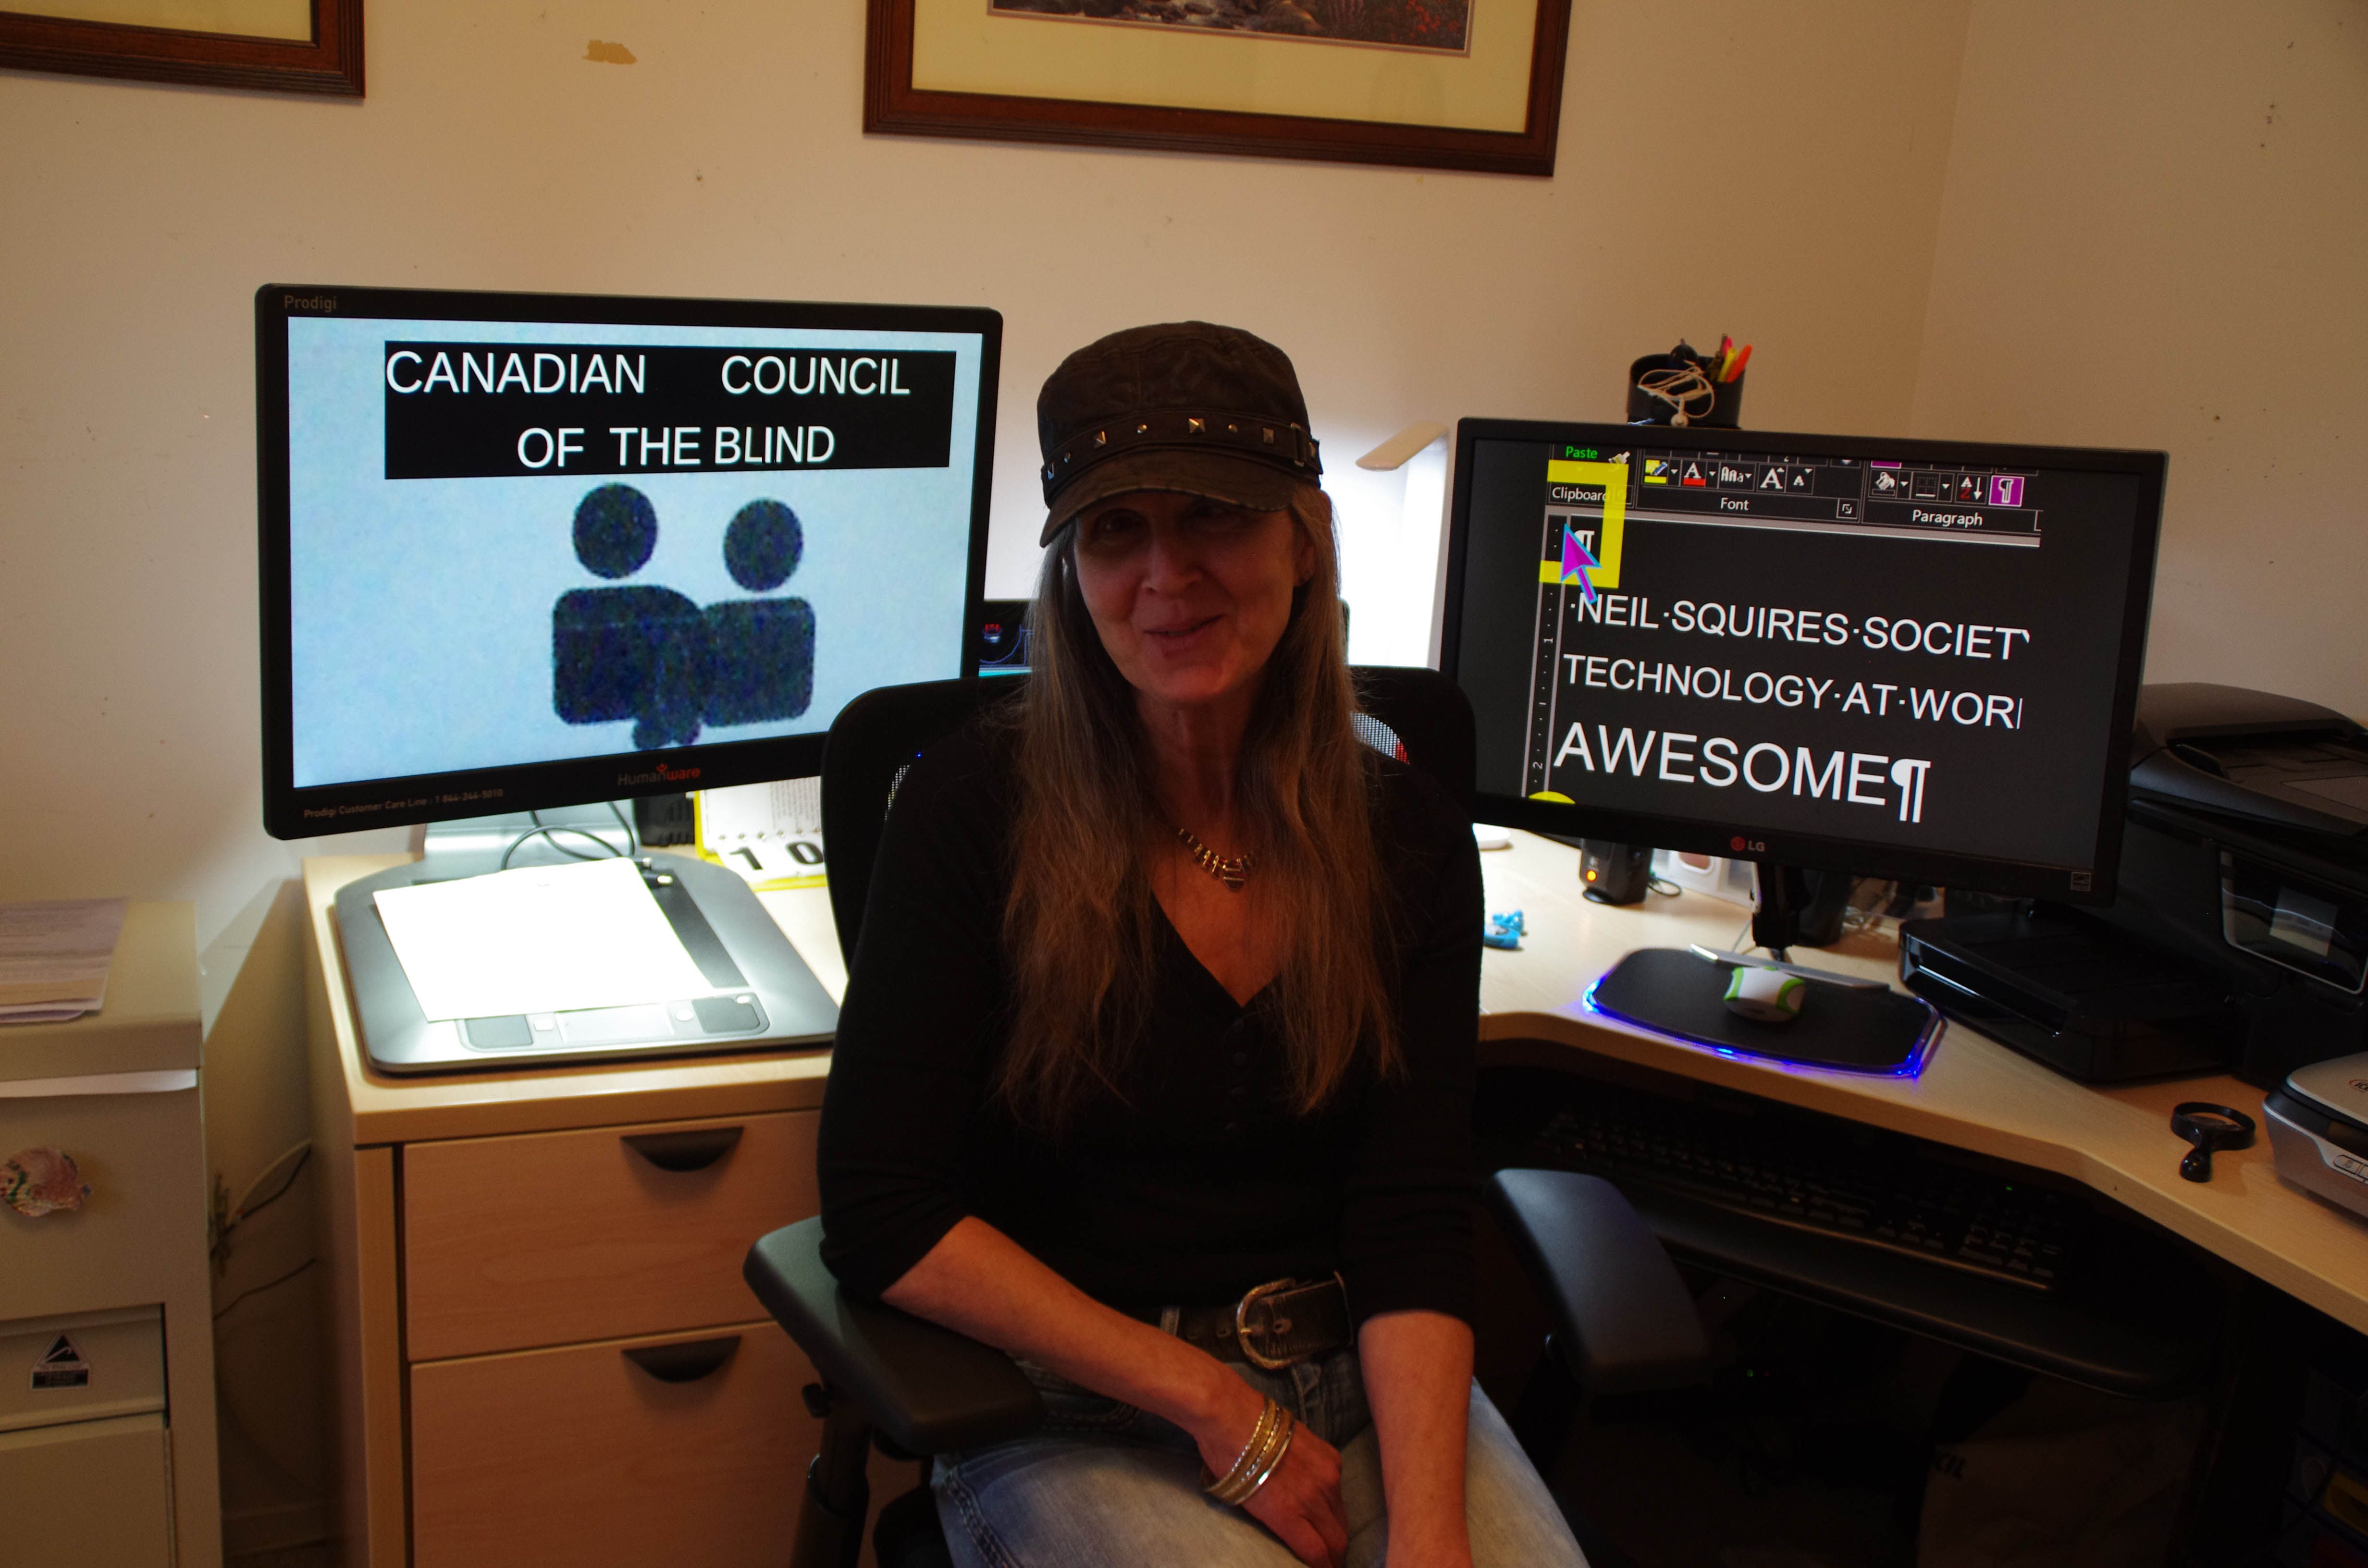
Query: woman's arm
[[917, 1030], [1406, 1250], [979, 1281], [1418, 1369]]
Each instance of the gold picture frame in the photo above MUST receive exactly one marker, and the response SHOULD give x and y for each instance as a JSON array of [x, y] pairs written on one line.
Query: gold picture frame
[[988, 69]]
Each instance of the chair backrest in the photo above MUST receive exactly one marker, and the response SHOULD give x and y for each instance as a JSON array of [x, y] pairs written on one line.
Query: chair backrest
[[871, 744], [1432, 720], [877, 736]]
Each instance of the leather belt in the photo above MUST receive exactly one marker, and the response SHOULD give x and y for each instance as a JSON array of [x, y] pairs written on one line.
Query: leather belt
[[1273, 1325]]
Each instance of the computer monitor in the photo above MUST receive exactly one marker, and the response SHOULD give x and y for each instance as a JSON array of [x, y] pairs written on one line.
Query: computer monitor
[[1903, 658], [1914, 659], [527, 551], [523, 550]]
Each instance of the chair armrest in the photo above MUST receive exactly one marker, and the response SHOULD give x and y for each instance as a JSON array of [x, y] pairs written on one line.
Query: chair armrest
[[1622, 1316], [928, 1389]]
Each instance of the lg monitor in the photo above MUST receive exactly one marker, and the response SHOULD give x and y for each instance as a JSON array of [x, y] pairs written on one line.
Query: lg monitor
[[530, 551], [1900, 658]]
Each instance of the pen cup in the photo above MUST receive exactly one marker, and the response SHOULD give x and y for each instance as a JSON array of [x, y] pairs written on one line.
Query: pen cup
[[1662, 386]]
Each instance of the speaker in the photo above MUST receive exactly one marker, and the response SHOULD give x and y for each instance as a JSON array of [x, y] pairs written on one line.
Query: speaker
[[1614, 873]]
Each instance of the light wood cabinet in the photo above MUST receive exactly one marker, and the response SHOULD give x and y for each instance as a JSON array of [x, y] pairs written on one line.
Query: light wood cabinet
[[530, 1273], [554, 1238], [686, 1450]]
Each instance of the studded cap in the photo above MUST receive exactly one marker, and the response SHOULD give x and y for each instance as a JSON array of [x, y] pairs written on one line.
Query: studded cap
[[1186, 406]]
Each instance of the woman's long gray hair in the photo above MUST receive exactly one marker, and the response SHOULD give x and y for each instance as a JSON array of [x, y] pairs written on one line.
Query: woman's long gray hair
[[1079, 925]]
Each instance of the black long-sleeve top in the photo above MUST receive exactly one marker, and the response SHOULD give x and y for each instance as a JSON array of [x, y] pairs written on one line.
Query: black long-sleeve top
[[1197, 1180]]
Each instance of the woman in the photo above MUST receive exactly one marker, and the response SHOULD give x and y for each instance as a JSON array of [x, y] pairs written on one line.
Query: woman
[[1156, 1063]]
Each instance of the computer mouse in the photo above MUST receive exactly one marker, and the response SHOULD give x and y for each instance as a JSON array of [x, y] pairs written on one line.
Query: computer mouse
[[1765, 996]]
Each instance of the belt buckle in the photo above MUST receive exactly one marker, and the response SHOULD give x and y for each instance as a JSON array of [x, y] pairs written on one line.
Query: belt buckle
[[1243, 1329]]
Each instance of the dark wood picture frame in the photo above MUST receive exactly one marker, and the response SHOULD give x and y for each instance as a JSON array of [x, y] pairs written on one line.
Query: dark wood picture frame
[[893, 106], [330, 64]]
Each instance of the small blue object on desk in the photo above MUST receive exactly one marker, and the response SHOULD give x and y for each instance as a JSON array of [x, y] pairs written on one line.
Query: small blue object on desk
[[1505, 931]]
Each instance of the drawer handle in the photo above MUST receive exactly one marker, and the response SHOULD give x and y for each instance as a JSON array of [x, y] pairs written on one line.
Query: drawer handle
[[686, 1361], [692, 1151]]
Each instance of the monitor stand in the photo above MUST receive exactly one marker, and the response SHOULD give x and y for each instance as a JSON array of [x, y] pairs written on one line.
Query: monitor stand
[[761, 995], [1852, 1028], [471, 847]]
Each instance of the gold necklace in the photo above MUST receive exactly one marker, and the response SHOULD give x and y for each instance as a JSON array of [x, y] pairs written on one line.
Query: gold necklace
[[1232, 870]]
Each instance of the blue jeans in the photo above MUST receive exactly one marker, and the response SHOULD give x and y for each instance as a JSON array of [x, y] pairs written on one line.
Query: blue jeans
[[1103, 1483]]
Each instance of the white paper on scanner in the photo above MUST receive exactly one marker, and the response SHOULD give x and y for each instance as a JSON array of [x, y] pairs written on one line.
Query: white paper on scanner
[[539, 939]]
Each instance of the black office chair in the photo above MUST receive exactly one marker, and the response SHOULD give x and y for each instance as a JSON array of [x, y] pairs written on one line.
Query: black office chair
[[1624, 1320]]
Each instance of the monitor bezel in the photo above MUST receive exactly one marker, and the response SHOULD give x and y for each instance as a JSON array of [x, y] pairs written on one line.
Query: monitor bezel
[[529, 786], [2003, 876]]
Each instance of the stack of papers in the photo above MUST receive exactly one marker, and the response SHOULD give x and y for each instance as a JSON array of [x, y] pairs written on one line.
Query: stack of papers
[[539, 939], [54, 957]]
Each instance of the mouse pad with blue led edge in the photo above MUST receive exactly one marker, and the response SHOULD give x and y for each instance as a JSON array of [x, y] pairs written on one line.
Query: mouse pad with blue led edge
[[1857, 1029]]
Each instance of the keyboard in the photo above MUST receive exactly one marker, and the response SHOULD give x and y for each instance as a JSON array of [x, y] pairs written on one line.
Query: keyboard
[[1797, 1169]]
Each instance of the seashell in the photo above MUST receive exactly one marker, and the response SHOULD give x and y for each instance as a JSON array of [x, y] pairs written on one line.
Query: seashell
[[35, 1182]]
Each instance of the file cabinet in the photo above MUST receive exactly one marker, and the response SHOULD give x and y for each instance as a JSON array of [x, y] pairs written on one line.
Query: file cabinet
[[107, 1399]]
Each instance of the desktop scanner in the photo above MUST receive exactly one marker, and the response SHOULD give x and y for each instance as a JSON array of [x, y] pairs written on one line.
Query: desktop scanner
[[2319, 1131], [760, 992]]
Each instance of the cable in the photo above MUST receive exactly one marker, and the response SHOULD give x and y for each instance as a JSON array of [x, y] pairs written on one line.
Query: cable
[[224, 1216], [240, 1210], [1678, 387], [266, 1285], [1662, 885], [544, 831]]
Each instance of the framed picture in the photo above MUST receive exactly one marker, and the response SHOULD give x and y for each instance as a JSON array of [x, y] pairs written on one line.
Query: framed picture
[[1433, 84], [294, 46]]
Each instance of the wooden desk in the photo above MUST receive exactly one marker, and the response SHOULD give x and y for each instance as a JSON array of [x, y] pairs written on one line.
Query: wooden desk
[[497, 1252], [1973, 1093], [414, 1140]]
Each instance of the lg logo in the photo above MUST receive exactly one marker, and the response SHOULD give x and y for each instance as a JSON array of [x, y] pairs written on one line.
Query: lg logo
[[1743, 846]]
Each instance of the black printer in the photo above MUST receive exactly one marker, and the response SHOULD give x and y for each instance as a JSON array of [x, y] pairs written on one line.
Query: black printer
[[2244, 870]]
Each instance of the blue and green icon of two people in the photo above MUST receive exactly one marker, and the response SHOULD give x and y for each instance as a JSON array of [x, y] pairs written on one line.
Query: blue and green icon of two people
[[652, 655]]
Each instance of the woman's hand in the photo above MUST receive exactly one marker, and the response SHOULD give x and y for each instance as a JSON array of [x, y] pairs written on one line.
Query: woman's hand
[[1301, 1501], [980, 1282]]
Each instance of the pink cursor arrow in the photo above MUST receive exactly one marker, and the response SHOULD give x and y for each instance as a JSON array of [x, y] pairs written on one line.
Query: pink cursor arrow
[[1577, 562]]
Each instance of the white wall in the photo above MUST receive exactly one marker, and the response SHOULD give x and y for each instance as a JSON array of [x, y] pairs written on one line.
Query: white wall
[[2155, 233], [1795, 205], [2128, 224]]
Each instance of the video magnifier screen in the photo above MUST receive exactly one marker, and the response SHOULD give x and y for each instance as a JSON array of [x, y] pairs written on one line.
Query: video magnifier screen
[[522, 542]]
